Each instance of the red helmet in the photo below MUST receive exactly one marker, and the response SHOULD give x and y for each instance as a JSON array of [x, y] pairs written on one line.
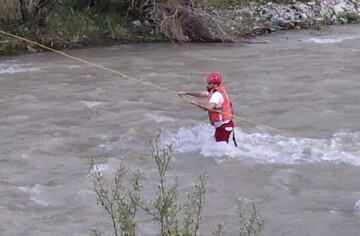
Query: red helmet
[[214, 78]]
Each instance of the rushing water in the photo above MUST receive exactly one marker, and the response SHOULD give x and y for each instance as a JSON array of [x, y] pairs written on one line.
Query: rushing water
[[296, 99]]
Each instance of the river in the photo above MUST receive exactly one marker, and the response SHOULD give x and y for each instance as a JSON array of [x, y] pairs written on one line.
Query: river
[[296, 99]]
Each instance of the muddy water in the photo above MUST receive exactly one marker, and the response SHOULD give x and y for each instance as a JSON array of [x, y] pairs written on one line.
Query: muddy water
[[296, 99]]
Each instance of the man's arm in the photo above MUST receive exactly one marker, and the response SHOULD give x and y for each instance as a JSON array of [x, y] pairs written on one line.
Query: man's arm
[[199, 94]]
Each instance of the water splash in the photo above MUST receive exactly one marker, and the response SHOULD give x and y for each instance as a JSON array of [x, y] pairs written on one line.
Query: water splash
[[329, 39], [266, 148], [158, 118], [92, 104], [37, 194], [13, 69], [357, 206]]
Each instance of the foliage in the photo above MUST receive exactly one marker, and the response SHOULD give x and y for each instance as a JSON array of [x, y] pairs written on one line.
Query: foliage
[[320, 24], [76, 27], [123, 202], [350, 17], [252, 224], [9, 11]]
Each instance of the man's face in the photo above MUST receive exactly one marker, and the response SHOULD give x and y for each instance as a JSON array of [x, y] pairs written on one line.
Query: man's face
[[209, 86]]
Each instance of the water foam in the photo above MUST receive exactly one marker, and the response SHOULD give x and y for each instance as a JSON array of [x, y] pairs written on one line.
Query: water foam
[[329, 39], [158, 118], [357, 206], [13, 69], [36, 194], [266, 148], [91, 104]]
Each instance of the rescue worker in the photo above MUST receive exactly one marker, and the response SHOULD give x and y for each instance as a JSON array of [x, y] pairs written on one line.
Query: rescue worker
[[218, 106]]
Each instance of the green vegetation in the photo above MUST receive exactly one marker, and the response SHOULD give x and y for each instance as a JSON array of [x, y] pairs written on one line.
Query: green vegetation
[[9, 10], [73, 23], [89, 27], [124, 203], [319, 24], [350, 17]]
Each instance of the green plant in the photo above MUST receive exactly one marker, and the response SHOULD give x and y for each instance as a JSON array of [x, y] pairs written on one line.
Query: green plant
[[350, 17], [319, 24], [83, 27], [9, 10], [252, 224], [218, 230], [122, 201]]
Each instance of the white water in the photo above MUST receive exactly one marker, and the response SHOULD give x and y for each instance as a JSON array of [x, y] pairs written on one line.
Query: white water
[[331, 39], [266, 148], [6, 68]]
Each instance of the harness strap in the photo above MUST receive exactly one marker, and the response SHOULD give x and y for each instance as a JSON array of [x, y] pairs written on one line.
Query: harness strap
[[234, 140], [232, 113]]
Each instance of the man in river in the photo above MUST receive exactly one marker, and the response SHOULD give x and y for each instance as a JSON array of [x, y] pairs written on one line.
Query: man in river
[[218, 106]]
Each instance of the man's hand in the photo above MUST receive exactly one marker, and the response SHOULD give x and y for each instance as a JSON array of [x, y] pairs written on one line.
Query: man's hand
[[194, 102], [182, 93]]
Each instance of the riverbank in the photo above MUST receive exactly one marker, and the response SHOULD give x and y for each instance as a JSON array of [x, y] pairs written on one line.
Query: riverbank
[[254, 19], [75, 27]]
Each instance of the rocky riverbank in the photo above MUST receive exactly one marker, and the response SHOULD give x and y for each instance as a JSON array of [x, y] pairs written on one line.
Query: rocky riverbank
[[254, 19]]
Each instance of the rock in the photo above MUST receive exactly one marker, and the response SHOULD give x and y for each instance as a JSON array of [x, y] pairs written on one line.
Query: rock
[[31, 49], [136, 23], [338, 9]]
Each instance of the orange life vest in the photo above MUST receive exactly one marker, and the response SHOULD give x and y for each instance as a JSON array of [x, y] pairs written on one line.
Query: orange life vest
[[224, 113]]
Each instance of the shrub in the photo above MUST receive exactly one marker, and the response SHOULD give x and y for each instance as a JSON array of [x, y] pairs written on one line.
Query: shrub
[[123, 201], [350, 17]]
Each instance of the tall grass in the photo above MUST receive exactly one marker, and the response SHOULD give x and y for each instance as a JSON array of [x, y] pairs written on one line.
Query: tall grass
[[71, 27], [9, 10], [89, 27]]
